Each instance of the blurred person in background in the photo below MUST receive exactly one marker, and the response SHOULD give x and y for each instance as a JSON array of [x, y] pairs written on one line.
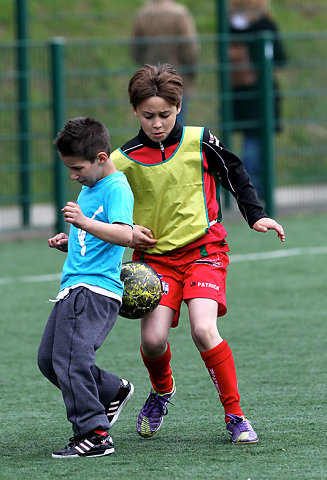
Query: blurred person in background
[[250, 17], [166, 18]]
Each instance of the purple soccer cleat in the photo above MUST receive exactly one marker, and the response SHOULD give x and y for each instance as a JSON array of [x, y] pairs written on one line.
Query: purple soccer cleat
[[241, 430], [151, 415]]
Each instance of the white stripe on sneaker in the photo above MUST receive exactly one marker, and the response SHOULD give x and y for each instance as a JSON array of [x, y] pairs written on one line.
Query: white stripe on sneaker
[[79, 449], [88, 443]]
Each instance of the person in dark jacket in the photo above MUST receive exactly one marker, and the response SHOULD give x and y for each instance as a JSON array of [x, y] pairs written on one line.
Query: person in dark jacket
[[247, 18], [178, 231]]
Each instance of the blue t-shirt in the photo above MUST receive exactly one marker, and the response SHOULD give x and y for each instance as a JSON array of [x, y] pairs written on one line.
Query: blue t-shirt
[[90, 260]]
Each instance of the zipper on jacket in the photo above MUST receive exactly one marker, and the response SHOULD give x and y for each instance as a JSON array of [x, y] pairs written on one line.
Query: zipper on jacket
[[162, 148]]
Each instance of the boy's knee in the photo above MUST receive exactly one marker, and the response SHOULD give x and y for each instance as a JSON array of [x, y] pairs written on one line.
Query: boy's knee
[[205, 337], [200, 333], [154, 348]]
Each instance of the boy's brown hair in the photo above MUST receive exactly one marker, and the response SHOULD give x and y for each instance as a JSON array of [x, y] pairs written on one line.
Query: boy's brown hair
[[156, 81], [83, 137]]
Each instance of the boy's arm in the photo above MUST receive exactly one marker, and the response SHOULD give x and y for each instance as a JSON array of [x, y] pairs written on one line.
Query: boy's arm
[[266, 223], [233, 177], [59, 241], [116, 233], [142, 238]]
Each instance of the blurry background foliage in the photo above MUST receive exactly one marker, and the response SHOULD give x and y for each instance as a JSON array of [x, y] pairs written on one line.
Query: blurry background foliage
[[98, 66]]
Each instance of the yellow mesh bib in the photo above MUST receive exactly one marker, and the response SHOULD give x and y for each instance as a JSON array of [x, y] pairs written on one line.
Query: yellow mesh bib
[[169, 196]]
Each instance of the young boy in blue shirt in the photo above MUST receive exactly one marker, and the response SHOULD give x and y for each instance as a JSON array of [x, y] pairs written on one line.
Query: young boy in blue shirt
[[101, 225]]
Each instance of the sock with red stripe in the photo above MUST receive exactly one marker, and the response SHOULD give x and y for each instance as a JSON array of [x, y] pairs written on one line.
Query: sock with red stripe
[[159, 371], [221, 367], [104, 433]]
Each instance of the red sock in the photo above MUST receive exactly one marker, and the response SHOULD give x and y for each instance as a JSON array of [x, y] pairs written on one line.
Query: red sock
[[221, 367], [159, 371]]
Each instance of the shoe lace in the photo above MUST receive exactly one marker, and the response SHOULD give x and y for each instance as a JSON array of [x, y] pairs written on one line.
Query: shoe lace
[[74, 440], [156, 403], [242, 423]]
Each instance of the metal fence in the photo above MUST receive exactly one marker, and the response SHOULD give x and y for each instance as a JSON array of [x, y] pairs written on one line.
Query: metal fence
[[65, 79]]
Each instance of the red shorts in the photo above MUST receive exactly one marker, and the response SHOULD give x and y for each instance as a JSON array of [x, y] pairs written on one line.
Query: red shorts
[[201, 278]]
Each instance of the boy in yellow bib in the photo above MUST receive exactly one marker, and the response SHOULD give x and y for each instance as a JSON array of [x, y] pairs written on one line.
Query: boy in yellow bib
[[179, 233]]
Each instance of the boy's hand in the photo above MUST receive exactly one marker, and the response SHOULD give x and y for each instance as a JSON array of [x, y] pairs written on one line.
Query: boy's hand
[[265, 224], [73, 214], [142, 238], [59, 241]]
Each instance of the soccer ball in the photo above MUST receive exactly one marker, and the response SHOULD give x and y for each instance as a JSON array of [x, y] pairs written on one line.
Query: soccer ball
[[142, 289]]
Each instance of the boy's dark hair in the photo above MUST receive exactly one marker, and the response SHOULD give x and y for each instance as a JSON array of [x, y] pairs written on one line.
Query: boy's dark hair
[[156, 81], [83, 137]]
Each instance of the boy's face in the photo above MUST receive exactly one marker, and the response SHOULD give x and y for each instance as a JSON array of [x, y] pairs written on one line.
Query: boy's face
[[157, 117], [83, 171]]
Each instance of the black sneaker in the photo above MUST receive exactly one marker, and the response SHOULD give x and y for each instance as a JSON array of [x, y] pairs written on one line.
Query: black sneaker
[[114, 408], [93, 444]]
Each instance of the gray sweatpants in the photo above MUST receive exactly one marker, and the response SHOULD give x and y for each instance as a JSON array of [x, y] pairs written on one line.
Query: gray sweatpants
[[77, 327]]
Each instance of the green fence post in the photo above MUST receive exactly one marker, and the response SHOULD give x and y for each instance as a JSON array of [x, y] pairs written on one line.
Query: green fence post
[[224, 80], [266, 55], [58, 112], [23, 113]]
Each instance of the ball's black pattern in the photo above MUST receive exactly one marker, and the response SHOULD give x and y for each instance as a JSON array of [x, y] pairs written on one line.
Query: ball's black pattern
[[142, 289]]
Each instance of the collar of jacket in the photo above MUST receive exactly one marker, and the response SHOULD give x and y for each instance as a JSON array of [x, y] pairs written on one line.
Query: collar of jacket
[[173, 138]]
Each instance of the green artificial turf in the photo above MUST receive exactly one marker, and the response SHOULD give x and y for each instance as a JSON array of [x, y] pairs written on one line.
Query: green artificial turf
[[275, 325]]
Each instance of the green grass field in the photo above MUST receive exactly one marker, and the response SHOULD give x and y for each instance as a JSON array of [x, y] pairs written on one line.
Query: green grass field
[[276, 326]]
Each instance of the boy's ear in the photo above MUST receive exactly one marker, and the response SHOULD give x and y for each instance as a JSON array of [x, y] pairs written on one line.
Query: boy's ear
[[102, 156], [179, 108]]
